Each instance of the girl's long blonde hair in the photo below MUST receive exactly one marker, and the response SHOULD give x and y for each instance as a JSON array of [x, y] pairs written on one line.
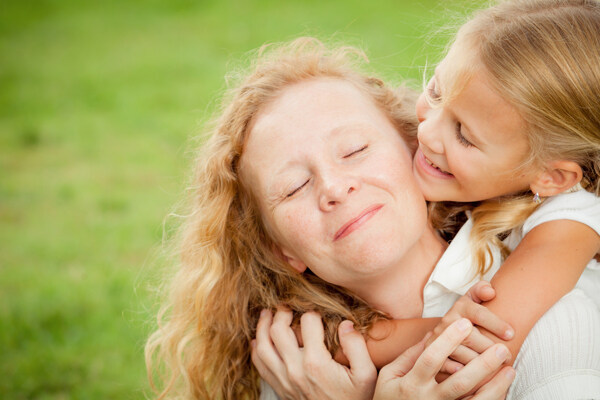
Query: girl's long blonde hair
[[228, 270], [543, 57]]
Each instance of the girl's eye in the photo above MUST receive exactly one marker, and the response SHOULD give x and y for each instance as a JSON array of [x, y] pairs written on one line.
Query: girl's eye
[[459, 136], [356, 151], [296, 190], [432, 92]]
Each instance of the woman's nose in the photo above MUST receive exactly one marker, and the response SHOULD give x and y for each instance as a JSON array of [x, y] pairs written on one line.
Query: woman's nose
[[335, 190]]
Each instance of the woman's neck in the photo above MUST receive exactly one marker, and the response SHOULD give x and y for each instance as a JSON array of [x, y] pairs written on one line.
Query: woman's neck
[[399, 292]]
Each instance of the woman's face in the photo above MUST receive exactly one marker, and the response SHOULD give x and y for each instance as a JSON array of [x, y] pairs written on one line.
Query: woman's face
[[334, 182]]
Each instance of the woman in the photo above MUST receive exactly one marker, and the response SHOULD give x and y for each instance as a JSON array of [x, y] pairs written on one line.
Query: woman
[[245, 249]]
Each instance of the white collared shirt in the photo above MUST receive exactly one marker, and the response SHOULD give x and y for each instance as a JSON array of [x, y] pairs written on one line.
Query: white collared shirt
[[560, 358], [454, 273]]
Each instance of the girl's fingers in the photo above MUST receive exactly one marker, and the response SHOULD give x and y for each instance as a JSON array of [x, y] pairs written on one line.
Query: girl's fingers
[[477, 341], [432, 359], [482, 291], [475, 371], [463, 354], [355, 348], [497, 388], [450, 366], [481, 316]]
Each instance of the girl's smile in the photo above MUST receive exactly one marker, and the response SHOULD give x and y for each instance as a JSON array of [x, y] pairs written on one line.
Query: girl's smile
[[473, 146], [429, 167]]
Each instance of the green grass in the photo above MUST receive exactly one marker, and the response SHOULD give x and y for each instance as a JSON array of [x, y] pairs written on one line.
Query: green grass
[[98, 101]]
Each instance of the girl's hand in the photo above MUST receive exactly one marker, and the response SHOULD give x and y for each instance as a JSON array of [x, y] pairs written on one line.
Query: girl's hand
[[412, 375], [310, 372], [476, 343]]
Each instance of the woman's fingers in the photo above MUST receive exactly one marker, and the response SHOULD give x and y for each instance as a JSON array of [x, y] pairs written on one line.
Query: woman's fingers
[[265, 356], [313, 335], [355, 348], [433, 357], [265, 372], [476, 371], [284, 339], [497, 388], [405, 361], [264, 348]]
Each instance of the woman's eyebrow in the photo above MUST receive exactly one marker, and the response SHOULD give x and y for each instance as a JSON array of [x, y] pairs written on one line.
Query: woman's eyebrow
[[352, 127]]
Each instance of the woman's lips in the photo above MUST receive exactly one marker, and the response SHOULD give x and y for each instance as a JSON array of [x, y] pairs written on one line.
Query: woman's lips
[[429, 167], [357, 222]]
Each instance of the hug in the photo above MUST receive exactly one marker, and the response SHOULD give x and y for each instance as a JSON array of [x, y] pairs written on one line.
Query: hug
[[329, 207]]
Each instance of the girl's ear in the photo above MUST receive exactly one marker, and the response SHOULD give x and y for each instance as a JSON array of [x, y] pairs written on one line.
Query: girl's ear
[[287, 256], [557, 177]]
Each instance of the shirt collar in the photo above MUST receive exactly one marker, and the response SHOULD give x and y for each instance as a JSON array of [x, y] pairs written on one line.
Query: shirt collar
[[455, 270]]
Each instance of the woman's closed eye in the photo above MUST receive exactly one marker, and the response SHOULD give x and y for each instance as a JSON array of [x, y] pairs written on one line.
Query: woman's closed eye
[[297, 189], [354, 152]]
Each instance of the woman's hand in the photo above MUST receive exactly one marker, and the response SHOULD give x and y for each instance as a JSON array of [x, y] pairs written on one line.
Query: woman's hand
[[310, 372], [469, 307], [412, 375]]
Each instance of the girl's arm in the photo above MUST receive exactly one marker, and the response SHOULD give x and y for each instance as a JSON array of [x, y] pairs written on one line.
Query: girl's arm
[[388, 339], [544, 267]]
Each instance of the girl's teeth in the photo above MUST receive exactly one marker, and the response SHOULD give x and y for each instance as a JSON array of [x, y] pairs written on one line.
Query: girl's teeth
[[435, 166]]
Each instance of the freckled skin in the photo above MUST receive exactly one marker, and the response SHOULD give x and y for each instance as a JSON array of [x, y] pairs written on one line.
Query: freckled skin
[[329, 139]]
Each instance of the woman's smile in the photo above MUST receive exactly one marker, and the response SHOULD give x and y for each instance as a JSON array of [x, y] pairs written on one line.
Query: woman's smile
[[357, 222], [343, 172]]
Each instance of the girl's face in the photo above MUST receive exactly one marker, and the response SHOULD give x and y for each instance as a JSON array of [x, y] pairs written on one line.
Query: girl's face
[[333, 178], [471, 148]]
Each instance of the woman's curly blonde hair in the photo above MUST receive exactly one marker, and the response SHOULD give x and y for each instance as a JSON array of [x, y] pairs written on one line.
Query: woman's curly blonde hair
[[228, 271]]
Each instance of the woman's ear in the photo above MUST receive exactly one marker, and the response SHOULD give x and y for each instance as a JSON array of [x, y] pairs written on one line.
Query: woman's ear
[[557, 177], [287, 256]]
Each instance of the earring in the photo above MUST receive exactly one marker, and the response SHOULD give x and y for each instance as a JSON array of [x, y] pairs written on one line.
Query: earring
[[536, 198]]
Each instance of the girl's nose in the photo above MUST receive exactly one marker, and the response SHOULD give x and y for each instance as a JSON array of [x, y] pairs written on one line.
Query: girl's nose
[[422, 107], [429, 125], [429, 135]]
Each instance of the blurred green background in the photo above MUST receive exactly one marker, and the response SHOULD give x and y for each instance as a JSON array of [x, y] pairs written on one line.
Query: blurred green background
[[98, 102]]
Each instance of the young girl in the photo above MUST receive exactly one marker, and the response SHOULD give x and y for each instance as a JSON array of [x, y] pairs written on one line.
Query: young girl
[[510, 126]]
